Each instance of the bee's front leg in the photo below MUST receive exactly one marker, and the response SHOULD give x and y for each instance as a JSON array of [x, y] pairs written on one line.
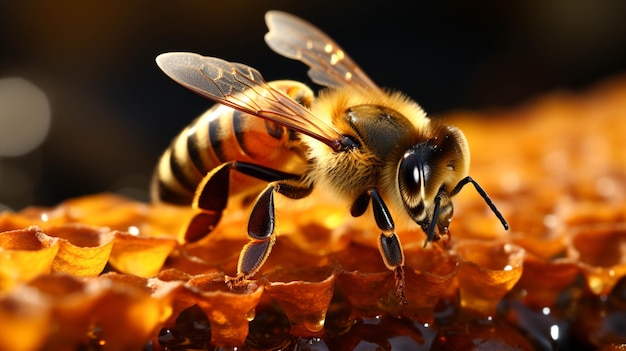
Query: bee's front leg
[[261, 227], [389, 243]]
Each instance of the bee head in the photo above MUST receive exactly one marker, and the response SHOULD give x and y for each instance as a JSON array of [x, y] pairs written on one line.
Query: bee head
[[430, 167]]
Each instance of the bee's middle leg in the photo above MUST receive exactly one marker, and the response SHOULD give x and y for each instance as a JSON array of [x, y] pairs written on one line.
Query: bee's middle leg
[[261, 227]]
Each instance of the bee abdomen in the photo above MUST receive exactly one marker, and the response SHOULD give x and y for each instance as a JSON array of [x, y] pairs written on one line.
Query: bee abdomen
[[220, 135], [195, 151]]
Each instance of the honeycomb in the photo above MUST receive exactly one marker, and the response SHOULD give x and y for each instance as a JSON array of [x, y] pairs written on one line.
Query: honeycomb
[[104, 272]]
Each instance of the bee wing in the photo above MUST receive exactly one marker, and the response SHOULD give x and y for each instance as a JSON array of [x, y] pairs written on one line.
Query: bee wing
[[297, 39], [243, 88]]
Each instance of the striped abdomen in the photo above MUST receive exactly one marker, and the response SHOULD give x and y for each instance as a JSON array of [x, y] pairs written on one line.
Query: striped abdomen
[[220, 135]]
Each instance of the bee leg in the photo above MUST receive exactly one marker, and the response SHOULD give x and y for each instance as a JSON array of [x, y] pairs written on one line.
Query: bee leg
[[359, 206], [483, 194], [260, 230], [212, 195], [210, 200], [389, 243], [261, 227], [430, 232]]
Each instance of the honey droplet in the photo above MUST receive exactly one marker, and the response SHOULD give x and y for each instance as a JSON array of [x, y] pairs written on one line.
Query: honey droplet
[[315, 323], [251, 315]]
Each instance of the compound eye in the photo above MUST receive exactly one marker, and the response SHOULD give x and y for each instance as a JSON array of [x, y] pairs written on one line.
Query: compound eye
[[410, 174]]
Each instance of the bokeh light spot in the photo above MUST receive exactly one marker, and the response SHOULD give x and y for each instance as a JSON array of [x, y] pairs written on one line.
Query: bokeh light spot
[[24, 116]]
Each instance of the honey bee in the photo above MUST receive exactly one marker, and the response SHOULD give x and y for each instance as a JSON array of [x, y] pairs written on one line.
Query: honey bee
[[354, 141]]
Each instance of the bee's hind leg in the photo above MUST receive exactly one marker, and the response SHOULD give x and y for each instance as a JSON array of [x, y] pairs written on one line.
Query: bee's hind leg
[[211, 199], [211, 195]]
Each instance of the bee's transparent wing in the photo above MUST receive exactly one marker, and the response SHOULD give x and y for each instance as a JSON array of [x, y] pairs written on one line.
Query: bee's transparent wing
[[243, 88], [297, 39]]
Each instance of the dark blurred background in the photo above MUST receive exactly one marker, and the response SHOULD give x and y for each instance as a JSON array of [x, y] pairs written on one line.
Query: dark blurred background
[[84, 109]]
